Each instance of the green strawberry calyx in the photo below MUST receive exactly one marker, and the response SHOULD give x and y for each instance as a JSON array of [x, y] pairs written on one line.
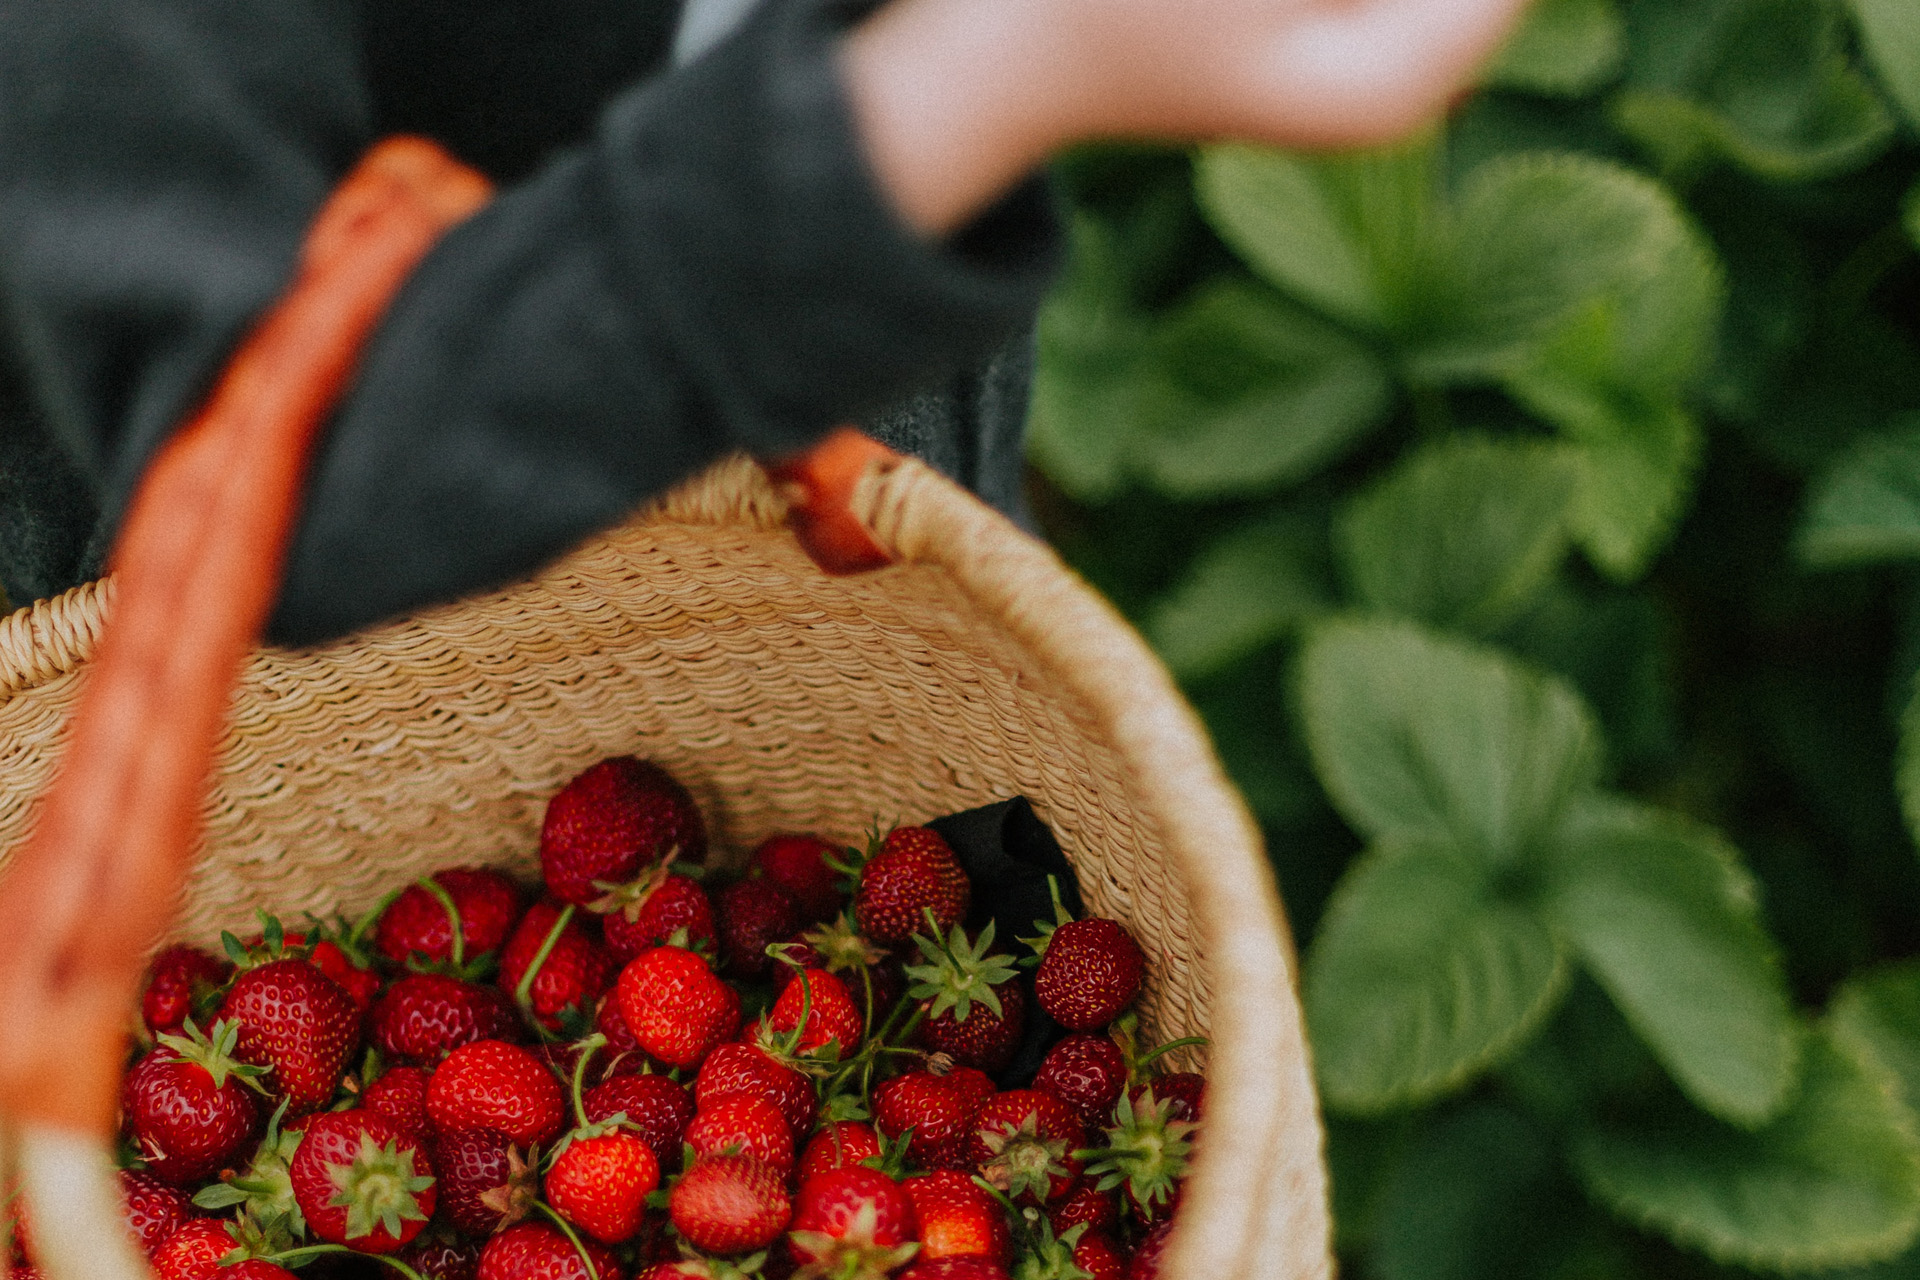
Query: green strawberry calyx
[[264, 1189], [1047, 1256], [958, 972], [514, 1198], [1146, 1150], [1021, 1160], [841, 946], [853, 1254], [214, 1053], [379, 1188], [630, 899]]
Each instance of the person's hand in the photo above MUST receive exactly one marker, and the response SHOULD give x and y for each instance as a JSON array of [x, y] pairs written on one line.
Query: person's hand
[[956, 99]]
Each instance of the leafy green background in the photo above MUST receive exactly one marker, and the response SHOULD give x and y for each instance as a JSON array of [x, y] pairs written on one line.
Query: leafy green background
[[1533, 511]]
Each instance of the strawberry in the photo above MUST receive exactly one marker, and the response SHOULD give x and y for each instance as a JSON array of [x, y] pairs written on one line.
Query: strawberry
[[418, 927], [536, 1251], [442, 1259], [958, 1219], [675, 1006], [600, 1181], [1147, 1255], [937, 1108], [745, 1123], [832, 1016], [1146, 1153], [624, 1056], [180, 979], [423, 1017], [194, 1251], [155, 1210], [1047, 1256], [1089, 971], [1087, 1073], [746, 1068], [298, 1021], [749, 915], [973, 1001], [400, 1096], [190, 1106], [362, 1183], [838, 1144], [801, 866], [971, 1267], [255, 1269], [1023, 1141], [912, 872], [485, 1182], [730, 1204], [606, 825], [1086, 1204], [1096, 1254], [554, 969], [491, 1084], [354, 972], [1184, 1090], [659, 1109], [650, 913], [855, 1223]]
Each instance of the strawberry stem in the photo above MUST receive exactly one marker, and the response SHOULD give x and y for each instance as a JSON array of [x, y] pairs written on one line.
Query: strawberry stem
[[588, 1047], [439, 891], [566, 1229], [523, 991]]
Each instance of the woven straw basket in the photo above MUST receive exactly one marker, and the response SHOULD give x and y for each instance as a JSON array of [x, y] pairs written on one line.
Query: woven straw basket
[[972, 667]]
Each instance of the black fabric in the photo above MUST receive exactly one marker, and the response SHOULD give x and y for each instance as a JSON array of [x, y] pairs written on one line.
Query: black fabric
[[693, 263], [1009, 854]]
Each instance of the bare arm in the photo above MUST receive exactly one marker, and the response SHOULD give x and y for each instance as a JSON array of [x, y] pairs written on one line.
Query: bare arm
[[957, 99]]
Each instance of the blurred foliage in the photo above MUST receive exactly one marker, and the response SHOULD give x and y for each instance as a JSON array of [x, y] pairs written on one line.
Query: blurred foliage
[[1533, 511]]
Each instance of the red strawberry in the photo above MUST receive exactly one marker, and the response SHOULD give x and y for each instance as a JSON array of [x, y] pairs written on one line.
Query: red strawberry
[[1085, 1072], [648, 915], [675, 1006], [443, 1259], [745, 1123], [973, 1001], [601, 1182], [572, 975], [485, 1182], [1090, 971], [657, 1107], [155, 1210], [1022, 1142], [194, 1251], [1184, 1090], [361, 1182], [298, 1021], [607, 824], [423, 1017], [491, 1084], [1148, 1254], [179, 977], [356, 977], [255, 1269], [623, 1055], [854, 1222], [913, 872], [964, 1268], [832, 1014], [400, 1096], [745, 1068], [958, 1219], [838, 1144], [799, 865], [536, 1251], [190, 1106], [750, 915], [1096, 1254], [937, 1108], [1085, 1204], [417, 925], [730, 1204]]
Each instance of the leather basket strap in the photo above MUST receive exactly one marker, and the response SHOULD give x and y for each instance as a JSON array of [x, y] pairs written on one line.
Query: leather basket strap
[[198, 562]]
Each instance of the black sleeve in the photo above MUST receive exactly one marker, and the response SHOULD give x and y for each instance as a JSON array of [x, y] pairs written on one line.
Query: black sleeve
[[715, 270]]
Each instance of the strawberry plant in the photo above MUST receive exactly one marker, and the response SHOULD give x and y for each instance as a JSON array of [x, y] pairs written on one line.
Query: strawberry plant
[[1533, 511]]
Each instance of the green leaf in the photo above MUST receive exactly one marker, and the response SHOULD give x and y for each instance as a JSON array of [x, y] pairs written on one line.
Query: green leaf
[[1910, 212], [1876, 1017], [1346, 233], [1459, 534], [1244, 591], [1890, 35], [1565, 48], [1866, 508], [1421, 977], [1767, 87], [1907, 762], [1247, 391], [1666, 920], [1833, 1181], [1419, 736]]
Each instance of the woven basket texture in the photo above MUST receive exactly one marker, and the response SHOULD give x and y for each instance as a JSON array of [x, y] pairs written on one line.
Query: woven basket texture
[[700, 636]]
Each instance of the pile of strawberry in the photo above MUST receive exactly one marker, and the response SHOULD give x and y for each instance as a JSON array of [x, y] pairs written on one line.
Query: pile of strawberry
[[638, 1077]]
